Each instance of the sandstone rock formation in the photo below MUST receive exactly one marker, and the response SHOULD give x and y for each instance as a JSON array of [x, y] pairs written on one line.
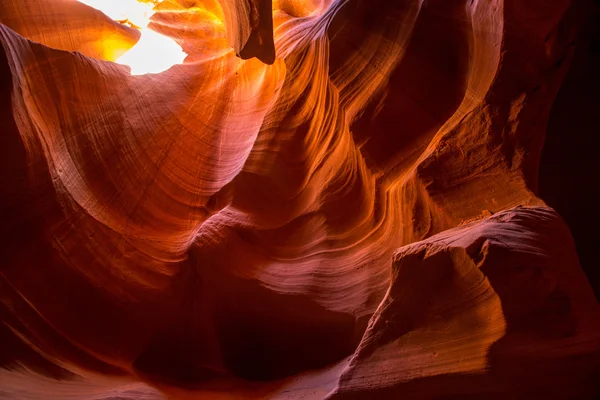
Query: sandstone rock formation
[[494, 309], [327, 199]]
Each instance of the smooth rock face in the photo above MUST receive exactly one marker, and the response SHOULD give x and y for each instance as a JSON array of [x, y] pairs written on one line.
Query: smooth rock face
[[497, 308], [327, 199]]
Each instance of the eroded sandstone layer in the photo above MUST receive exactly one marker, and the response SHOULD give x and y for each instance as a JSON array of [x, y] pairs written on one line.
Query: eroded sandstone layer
[[327, 199]]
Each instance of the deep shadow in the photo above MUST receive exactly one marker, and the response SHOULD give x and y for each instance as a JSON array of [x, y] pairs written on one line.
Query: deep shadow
[[265, 335], [569, 167]]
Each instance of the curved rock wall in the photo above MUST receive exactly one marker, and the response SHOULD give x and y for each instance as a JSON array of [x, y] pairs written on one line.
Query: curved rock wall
[[323, 215]]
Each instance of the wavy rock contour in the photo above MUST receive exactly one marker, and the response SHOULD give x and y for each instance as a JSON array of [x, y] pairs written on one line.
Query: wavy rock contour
[[326, 199]]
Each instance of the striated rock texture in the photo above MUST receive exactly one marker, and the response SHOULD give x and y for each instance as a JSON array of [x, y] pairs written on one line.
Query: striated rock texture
[[327, 199], [497, 309]]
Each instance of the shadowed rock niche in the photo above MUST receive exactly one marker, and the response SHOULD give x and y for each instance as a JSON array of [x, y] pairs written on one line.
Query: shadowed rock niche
[[249, 28], [320, 199]]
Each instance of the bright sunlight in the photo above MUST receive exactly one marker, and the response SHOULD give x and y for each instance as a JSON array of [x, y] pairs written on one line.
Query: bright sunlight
[[154, 52]]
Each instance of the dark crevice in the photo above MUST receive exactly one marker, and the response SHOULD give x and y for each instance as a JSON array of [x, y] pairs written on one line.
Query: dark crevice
[[569, 167]]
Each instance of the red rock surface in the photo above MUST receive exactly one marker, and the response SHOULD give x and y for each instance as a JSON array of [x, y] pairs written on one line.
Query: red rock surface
[[497, 308], [350, 211]]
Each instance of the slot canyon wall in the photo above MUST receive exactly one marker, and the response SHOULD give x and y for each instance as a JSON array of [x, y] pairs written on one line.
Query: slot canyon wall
[[338, 199]]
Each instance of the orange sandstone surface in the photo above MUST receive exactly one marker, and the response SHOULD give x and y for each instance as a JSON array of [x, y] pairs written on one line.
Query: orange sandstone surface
[[325, 199]]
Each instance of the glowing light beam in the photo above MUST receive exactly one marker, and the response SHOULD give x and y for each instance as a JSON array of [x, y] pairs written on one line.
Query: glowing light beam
[[154, 52]]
